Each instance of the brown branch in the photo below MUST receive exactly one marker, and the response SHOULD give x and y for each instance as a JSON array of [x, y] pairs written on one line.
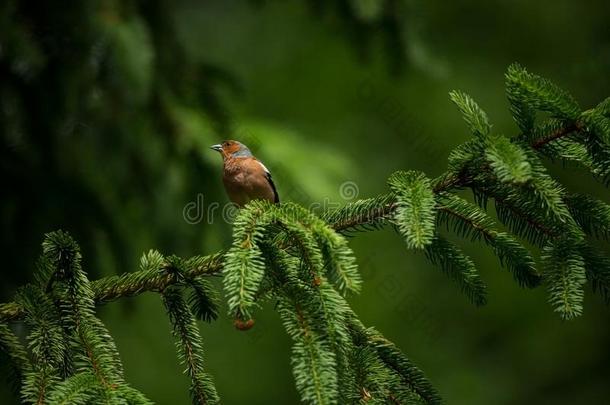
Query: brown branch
[[532, 222], [559, 133], [446, 182], [359, 220], [129, 284], [472, 223]]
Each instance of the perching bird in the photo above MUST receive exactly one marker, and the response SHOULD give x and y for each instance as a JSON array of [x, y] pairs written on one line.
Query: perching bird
[[245, 177]]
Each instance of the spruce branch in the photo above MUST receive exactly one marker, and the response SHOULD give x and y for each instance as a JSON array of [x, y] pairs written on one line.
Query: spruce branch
[[538, 93], [459, 267], [288, 253], [13, 353], [244, 265], [519, 219], [597, 268], [314, 364], [564, 275], [591, 214], [48, 342], [74, 356], [393, 358], [415, 207], [561, 132], [78, 389], [76, 305], [469, 221], [204, 300], [131, 284], [188, 344], [474, 116], [372, 212]]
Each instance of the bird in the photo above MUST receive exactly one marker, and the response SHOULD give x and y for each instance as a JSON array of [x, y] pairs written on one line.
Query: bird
[[245, 177]]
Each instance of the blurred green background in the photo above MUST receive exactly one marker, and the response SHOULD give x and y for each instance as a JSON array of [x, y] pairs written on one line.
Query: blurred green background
[[107, 109]]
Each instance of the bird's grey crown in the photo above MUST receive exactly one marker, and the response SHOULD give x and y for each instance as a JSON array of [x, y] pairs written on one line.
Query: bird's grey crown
[[242, 152]]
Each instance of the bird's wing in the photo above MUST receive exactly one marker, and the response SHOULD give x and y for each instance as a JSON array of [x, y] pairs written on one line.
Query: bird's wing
[[276, 196]]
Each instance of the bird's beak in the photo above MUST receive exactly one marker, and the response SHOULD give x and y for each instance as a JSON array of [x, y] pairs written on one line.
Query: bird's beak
[[217, 147]]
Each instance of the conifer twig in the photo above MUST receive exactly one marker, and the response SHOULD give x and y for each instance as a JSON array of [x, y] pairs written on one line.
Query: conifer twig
[[128, 284], [560, 133]]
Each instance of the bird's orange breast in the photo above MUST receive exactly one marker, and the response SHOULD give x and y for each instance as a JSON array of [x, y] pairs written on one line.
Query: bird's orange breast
[[245, 179]]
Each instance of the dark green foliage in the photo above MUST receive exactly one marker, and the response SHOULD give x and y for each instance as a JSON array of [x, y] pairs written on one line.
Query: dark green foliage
[[49, 341], [204, 300], [597, 123], [414, 214], [308, 268], [508, 162], [469, 221], [591, 214], [474, 116], [458, 267], [364, 26], [74, 390], [314, 363], [74, 359], [597, 268], [111, 86], [188, 343], [537, 93], [13, 354], [365, 214], [564, 275], [386, 357], [76, 303]]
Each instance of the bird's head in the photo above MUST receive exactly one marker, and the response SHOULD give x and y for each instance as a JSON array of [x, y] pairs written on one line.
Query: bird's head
[[232, 149]]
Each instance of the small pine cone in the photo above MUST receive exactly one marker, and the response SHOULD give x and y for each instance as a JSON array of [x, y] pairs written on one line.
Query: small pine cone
[[243, 325]]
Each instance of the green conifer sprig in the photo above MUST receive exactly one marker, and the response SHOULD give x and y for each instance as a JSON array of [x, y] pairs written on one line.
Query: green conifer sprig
[[565, 275], [204, 300], [244, 267], [189, 346], [48, 342], [474, 116], [74, 359], [459, 267], [538, 93], [311, 305], [591, 214], [14, 355], [77, 309], [597, 267], [469, 221], [362, 215], [394, 361], [322, 252], [414, 213], [76, 389], [314, 364], [321, 325]]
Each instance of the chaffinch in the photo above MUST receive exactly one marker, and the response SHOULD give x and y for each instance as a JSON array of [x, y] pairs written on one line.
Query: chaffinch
[[245, 178]]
